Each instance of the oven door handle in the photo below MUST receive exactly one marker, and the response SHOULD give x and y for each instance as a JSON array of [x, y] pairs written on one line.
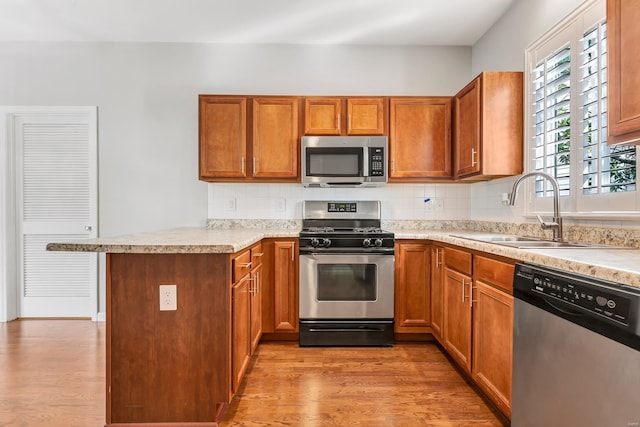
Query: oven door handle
[[361, 329]]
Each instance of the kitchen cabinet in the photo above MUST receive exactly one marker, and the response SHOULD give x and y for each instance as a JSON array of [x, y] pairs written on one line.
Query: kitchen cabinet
[[412, 287], [420, 138], [478, 320], [493, 330], [241, 330], [256, 295], [457, 306], [437, 292], [280, 291], [623, 51], [488, 122], [246, 309], [364, 116], [246, 138]]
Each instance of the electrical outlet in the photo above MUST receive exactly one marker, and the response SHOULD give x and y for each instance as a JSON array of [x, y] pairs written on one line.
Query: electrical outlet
[[230, 204], [438, 204], [280, 204], [428, 204], [168, 298]]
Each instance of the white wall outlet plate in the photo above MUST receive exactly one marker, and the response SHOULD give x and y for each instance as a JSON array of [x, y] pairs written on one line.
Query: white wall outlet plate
[[168, 298]]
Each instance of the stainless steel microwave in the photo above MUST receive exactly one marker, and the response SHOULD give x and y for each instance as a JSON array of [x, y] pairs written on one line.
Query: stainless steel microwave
[[344, 161]]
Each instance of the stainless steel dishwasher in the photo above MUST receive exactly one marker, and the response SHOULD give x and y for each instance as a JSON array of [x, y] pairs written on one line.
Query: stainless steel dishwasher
[[576, 350]]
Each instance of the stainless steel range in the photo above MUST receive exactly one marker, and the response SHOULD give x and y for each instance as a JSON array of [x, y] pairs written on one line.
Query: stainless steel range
[[346, 275]]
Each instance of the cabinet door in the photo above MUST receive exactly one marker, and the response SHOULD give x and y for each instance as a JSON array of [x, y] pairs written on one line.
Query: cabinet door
[[366, 116], [275, 138], [223, 137], [624, 79], [256, 307], [241, 339], [286, 286], [420, 138], [322, 116], [437, 292], [412, 287], [457, 317], [467, 129], [493, 343]]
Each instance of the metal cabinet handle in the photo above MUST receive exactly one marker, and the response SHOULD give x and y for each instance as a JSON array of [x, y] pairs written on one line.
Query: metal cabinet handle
[[462, 283], [339, 124], [245, 265], [438, 260], [393, 165], [242, 164], [258, 254], [473, 157], [88, 228], [293, 251], [254, 165]]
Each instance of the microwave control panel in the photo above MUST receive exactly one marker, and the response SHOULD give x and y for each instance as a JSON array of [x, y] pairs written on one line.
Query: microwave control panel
[[376, 161]]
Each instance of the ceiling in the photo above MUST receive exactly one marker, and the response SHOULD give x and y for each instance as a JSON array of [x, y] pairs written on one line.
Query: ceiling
[[328, 22]]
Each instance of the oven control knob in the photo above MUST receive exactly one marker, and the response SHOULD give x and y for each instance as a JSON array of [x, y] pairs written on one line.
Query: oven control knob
[[366, 243], [315, 242], [326, 243], [378, 242]]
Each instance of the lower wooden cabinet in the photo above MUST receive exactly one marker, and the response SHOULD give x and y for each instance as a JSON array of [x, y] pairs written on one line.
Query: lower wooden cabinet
[[457, 317], [477, 312], [246, 310], [280, 288], [493, 329], [240, 330], [412, 287], [437, 291]]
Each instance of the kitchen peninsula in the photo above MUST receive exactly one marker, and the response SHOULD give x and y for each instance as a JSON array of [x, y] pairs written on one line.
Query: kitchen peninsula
[[178, 366]]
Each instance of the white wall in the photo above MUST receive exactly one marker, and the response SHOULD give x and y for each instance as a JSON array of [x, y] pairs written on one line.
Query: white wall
[[502, 49], [147, 104]]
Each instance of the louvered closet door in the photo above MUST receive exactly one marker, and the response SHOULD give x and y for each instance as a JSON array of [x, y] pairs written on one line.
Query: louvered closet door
[[56, 201]]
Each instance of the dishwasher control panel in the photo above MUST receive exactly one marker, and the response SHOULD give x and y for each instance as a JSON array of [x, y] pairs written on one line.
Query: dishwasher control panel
[[592, 298], [608, 300]]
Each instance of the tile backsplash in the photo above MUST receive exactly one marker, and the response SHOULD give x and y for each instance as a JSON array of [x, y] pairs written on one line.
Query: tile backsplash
[[284, 201]]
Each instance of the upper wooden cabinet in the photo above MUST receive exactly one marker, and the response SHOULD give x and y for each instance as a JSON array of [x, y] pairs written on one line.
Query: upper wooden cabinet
[[420, 138], [489, 127], [223, 137], [249, 138], [624, 79], [326, 116]]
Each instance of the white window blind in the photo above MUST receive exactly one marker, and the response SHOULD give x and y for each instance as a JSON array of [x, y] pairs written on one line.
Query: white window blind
[[552, 138], [605, 169]]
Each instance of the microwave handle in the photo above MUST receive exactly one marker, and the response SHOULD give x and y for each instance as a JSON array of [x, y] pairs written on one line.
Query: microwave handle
[[365, 161]]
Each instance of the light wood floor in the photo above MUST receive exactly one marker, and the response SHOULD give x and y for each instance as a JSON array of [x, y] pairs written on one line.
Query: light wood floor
[[52, 374]]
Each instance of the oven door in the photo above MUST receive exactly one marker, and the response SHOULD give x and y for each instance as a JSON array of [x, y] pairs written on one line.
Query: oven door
[[346, 286]]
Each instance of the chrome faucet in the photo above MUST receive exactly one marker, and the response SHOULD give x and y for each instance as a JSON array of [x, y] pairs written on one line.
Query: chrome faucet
[[556, 222]]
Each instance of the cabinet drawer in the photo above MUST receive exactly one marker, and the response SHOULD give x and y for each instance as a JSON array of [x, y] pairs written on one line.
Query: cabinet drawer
[[458, 260], [241, 265], [494, 272], [256, 255]]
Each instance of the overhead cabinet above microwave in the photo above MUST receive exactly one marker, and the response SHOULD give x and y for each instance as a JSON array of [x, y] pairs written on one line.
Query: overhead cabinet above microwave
[[345, 116]]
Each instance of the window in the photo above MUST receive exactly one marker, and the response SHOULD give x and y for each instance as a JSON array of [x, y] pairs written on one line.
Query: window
[[567, 118]]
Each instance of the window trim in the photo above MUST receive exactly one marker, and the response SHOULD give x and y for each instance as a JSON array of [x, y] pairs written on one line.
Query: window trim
[[570, 29]]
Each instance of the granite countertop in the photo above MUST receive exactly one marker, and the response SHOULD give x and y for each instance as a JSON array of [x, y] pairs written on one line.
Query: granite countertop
[[617, 265], [176, 240]]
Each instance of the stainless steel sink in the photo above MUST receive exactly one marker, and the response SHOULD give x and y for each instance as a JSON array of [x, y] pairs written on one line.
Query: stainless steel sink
[[532, 242]]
